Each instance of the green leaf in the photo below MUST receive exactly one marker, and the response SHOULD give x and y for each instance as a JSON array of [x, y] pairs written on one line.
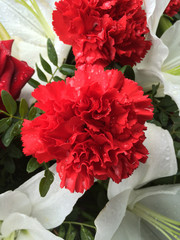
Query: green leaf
[[45, 65], [23, 108], [154, 89], [4, 124], [86, 234], [163, 117], [71, 233], [16, 130], [164, 24], [67, 69], [33, 83], [8, 136], [52, 52], [128, 72], [9, 103], [32, 165], [57, 79], [46, 182], [32, 113], [41, 75], [14, 152], [62, 231], [9, 165]]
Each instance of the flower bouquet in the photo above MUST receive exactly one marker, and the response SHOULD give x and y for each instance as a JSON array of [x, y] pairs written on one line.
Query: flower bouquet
[[89, 119]]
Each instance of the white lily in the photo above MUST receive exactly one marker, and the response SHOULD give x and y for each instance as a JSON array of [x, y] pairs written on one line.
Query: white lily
[[162, 62], [24, 214], [29, 23], [130, 210]]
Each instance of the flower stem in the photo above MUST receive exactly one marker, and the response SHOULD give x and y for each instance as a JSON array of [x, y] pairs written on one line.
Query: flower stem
[[80, 224]]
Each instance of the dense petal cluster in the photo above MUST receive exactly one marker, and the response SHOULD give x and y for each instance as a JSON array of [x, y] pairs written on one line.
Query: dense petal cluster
[[14, 74], [102, 31], [93, 126], [172, 8]]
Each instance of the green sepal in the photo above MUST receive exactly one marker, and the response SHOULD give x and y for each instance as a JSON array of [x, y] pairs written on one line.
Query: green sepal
[[9, 103]]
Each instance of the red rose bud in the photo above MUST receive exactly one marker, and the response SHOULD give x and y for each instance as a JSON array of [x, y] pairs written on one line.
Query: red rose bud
[[14, 74], [93, 126], [172, 8], [102, 31]]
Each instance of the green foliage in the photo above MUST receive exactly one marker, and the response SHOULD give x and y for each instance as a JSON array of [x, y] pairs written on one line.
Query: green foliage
[[67, 69], [52, 52], [9, 103], [23, 108], [166, 115], [126, 70], [40, 74], [32, 165], [46, 182], [45, 65], [33, 83], [86, 234]]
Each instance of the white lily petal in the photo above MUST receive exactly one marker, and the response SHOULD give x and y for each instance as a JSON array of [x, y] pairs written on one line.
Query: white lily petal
[[160, 163], [52, 209], [145, 193], [109, 219], [35, 230], [148, 72], [172, 87], [154, 10], [162, 199], [14, 201], [130, 226], [20, 18], [171, 39]]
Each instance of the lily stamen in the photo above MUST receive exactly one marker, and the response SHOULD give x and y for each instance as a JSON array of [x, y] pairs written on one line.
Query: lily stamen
[[168, 227]]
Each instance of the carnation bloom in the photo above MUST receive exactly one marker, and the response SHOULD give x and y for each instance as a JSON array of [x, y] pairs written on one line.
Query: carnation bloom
[[24, 214], [172, 8], [14, 74], [102, 31], [147, 213], [93, 126], [29, 23]]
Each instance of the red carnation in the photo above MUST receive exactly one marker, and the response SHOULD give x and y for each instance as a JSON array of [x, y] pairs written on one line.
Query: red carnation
[[102, 31], [172, 8], [93, 126], [14, 74]]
